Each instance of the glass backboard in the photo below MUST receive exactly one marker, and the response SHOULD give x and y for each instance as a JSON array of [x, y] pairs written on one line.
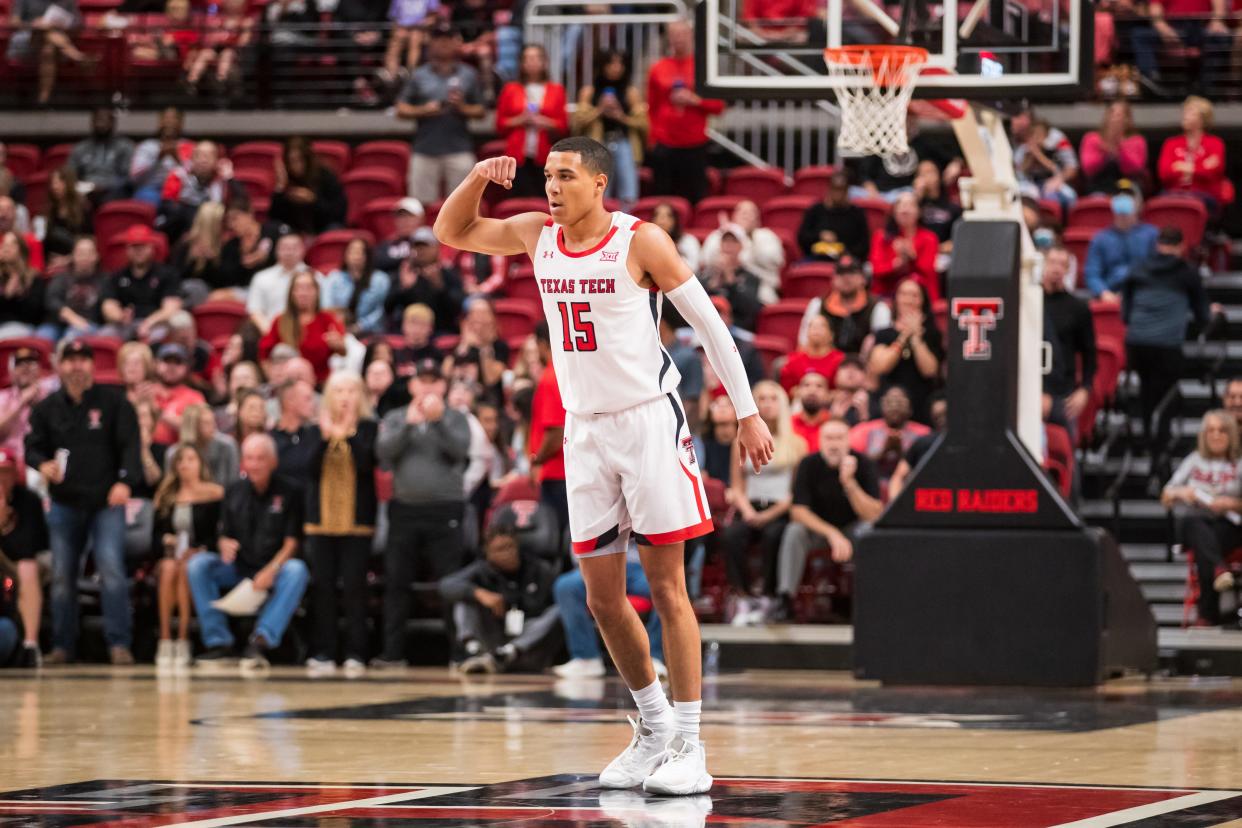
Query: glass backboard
[[988, 50]]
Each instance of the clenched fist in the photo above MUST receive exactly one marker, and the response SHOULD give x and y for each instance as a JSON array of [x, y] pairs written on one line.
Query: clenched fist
[[499, 170]]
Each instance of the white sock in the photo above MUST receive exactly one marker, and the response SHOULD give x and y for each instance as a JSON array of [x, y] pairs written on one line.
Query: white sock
[[686, 719], [653, 706]]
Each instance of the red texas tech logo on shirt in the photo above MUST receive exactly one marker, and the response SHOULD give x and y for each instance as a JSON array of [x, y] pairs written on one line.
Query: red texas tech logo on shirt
[[687, 445], [977, 316]]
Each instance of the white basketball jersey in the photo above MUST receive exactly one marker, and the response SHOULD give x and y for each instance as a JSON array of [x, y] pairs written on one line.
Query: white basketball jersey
[[605, 329]]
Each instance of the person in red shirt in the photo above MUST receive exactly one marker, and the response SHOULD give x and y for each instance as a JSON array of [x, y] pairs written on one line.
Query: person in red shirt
[[812, 396], [1194, 161], [172, 393], [817, 354], [678, 120], [779, 19], [904, 248], [547, 433], [317, 334], [530, 117]]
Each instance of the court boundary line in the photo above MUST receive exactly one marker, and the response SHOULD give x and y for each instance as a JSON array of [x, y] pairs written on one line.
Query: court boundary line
[[241, 819], [1153, 809]]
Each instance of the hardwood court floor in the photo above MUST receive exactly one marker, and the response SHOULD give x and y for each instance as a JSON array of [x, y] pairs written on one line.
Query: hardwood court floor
[[83, 746]]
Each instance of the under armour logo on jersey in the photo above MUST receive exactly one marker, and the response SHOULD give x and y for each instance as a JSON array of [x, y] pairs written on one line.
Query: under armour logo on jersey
[[548, 254], [608, 256]]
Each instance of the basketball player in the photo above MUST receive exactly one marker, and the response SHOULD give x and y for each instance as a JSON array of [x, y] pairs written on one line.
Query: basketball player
[[629, 462]]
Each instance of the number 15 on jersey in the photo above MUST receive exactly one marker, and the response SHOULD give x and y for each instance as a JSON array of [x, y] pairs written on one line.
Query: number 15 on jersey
[[579, 332]]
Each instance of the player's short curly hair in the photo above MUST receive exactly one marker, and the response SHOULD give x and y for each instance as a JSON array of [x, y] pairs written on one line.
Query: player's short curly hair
[[595, 156]]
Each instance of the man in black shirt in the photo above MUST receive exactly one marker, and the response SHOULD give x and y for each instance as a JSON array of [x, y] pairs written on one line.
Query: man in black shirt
[[834, 492], [23, 534], [391, 252], [424, 279], [143, 294], [853, 313], [259, 537], [291, 432], [503, 608], [835, 227], [84, 441], [1068, 319]]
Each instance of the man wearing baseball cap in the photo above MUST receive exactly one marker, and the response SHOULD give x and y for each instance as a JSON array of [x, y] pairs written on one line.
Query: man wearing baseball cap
[[423, 279], [426, 444], [172, 393], [1115, 250], [27, 388], [144, 293], [408, 216], [23, 534], [84, 441]]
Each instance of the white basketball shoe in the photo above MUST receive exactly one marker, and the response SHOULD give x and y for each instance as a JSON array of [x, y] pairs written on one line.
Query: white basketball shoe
[[637, 761], [683, 770]]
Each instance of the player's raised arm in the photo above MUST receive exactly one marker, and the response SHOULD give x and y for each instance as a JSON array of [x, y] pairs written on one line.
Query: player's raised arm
[[460, 225], [656, 254]]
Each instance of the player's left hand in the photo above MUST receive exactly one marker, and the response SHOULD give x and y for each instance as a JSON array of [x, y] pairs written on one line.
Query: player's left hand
[[755, 441]]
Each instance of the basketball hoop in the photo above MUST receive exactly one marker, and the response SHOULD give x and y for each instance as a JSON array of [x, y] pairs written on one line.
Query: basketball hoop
[[877, 82]]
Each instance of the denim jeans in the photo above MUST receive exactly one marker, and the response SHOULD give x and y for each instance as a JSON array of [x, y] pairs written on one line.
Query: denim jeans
[[209, 577], [624, 183], [1146, 42], [570, 591], [8, 641], [69, 529]]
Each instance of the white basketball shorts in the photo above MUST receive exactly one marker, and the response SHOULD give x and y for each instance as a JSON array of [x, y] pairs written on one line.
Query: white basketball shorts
[[633, 471]]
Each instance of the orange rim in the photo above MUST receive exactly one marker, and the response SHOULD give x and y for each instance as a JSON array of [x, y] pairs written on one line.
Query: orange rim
[[888, 63]]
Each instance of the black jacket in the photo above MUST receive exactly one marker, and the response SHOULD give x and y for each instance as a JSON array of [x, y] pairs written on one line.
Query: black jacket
[[205, 531], [101, 434], [1071, 323], [29, 308], [362, 447], [324, 213], [445, 301], [848, 222], [529, 589]]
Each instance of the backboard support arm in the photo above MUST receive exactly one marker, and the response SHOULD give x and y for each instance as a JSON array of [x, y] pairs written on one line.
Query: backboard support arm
[[991, 193]]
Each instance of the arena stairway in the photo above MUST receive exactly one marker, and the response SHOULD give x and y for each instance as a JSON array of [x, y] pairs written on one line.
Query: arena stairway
[[1118, 492]]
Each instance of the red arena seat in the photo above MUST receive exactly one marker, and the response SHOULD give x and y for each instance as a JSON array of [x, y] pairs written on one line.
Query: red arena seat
[[786, 212], [256, 155], [219, 319], [1186, 213], [332, 154], [812, 181], [365, 184], [756, 183], [644, 207], [22, 160], [391, 155], [325, 252], [1091, 213]]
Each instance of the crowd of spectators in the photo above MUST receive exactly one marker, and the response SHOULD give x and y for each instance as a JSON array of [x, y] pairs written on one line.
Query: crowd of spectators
[[373, 405], [217, 53]]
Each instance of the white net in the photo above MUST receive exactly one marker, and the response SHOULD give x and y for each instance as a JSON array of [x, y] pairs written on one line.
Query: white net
[[874, 96]]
